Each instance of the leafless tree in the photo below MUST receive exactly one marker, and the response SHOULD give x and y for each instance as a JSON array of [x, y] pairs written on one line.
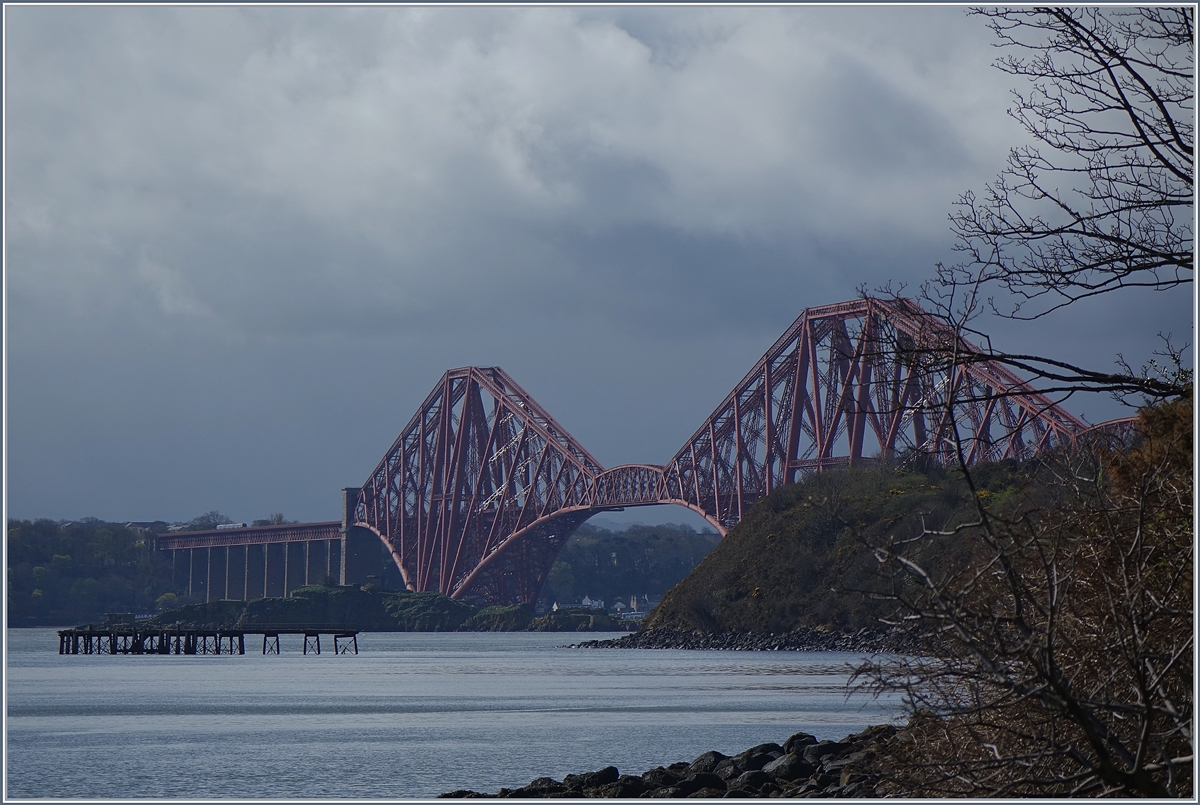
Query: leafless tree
[[1103, 202], [1059, 659]]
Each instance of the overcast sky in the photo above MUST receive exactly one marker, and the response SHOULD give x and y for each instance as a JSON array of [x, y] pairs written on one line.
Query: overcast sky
[[243, 244]]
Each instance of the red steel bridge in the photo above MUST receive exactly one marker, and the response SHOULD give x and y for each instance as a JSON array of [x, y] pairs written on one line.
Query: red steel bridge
[[482, 488]]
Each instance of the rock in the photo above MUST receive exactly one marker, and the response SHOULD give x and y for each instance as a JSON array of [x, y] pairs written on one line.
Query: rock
[[827, 780], [802, 767], [707, 762], [798, 742], [851, 776], [660, 778], [751, 780], [728, 768], [543, 786], [626, 787], [852, 761], [880, 732], [768, 748], [857, 789], [789, 767], [814, 753], [463, 793], [694, 782], [595, 779], [807, 788], [754, 762]]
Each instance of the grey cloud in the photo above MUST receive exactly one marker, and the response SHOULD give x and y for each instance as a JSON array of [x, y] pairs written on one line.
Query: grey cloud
[[263, 233]]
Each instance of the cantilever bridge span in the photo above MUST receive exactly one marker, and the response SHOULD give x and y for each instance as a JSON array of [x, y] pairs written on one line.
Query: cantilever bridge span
[[482, 488]]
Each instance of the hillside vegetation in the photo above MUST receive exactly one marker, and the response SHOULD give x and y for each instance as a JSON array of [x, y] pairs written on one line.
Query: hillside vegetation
[[800, 557]]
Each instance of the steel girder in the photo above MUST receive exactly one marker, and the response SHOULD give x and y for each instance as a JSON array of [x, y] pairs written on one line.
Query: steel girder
[[857, 380], [479, 493]]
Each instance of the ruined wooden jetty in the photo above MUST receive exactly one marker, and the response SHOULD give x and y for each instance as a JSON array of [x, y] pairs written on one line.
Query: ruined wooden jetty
[[146, 639]]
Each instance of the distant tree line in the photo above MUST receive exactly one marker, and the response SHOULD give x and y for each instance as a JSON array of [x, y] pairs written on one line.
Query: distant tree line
[[62, 572], [616, 565]]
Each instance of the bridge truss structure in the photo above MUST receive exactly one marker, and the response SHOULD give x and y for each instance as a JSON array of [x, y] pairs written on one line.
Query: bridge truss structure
[[481, 490]]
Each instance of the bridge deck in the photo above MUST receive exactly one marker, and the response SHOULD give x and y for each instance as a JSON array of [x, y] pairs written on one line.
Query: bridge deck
[[252, 535]]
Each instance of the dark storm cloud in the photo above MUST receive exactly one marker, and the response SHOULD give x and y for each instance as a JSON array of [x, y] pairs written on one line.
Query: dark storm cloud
[[243, 244]]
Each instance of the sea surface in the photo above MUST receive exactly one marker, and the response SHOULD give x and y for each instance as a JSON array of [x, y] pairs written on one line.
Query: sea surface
[[411, 716]]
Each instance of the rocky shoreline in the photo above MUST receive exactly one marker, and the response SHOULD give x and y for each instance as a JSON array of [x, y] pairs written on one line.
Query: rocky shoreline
[[864, 641], [802, 767]]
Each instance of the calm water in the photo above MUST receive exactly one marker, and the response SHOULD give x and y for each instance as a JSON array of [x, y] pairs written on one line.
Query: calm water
[[411, 716]]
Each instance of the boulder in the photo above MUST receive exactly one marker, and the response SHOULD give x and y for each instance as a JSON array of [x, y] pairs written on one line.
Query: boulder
[[756, 757], [754, 762], [463, 793], [880, 732], [789, 767], [836, 765], [660, 778], [850, 776], [541, 788], [707, 793], [798, 742], [728, 768], [626, 787], [767, 748], [594, 779], [814, 753], [751, 780], [694, 782], [707, 762]]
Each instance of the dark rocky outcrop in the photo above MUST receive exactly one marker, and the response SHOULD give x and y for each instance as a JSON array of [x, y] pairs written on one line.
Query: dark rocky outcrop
[[801, 767]]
